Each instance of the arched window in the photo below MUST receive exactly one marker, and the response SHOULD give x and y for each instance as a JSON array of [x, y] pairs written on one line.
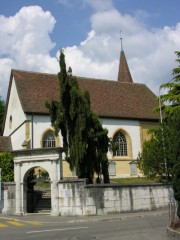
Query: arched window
[[49, 140], [120, 144]]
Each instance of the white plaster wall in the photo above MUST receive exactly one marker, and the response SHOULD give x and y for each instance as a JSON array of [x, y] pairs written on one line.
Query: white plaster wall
[[18, 137], [132, 127], [15, 110], [40, 124]]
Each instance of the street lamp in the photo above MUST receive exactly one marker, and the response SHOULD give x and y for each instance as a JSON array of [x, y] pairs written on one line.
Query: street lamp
[[163, 140]]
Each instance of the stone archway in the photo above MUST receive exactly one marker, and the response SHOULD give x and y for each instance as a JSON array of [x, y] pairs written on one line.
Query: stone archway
[[24, 160], [38, 190]]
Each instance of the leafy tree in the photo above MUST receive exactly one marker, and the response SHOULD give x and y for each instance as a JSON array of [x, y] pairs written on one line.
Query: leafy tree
[[163, 146], [2, 109], [84, 140], [166, 140], [7, 166], [172, 97], [150, 161]]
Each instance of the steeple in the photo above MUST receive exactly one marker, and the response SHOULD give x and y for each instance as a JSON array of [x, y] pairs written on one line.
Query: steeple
[[124, 74]]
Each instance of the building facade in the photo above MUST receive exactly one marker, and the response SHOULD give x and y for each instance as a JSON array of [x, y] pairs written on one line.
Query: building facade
[[125, 108]]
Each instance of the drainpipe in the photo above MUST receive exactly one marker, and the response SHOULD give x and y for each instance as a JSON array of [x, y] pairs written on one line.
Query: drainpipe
[[32, 131]]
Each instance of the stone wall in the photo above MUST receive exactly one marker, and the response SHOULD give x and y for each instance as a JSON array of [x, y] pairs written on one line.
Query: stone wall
[[7, 202], [77, 198]]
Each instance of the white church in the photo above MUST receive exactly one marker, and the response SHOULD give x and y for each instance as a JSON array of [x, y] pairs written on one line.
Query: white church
[[125, 108]]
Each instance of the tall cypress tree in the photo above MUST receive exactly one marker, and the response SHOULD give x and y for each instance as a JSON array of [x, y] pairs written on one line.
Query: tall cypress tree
[[84, 140]]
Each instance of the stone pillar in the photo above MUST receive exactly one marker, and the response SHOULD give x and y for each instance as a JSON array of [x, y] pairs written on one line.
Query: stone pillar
[[18, 188], [54, 190]]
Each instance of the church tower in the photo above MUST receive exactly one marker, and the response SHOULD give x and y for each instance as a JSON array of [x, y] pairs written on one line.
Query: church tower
[[124, 75]]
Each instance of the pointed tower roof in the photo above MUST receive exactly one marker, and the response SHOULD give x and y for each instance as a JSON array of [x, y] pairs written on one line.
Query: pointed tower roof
[[124, 74]]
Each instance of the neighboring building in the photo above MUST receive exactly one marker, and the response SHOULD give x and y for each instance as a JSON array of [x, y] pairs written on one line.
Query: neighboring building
[[125, 108], [5, 144]]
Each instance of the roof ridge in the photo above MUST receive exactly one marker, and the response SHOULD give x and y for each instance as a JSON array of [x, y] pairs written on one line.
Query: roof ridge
[[78, 77], [34, 72]]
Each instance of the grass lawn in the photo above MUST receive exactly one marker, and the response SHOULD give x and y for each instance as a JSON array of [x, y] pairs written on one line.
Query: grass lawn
[[133, 180]]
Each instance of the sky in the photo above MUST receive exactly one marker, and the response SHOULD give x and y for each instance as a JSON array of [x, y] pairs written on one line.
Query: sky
[[33, 31]]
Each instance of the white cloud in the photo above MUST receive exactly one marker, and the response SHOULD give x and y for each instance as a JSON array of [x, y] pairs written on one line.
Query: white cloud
[[21, 45], [150, 52]]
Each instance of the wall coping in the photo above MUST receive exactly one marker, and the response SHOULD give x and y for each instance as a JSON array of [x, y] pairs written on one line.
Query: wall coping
[[36, 151], [8, 183], [73, 180], [110, 185], [117, 185]]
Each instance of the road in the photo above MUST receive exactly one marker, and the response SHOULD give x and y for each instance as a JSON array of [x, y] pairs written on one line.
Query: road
[[150, 227]]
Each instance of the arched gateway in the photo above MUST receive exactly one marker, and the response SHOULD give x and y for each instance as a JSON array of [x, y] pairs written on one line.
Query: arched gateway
[[24, 160]]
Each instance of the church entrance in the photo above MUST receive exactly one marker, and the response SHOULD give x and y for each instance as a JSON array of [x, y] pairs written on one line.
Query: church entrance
[[38, 191], [36, 173]]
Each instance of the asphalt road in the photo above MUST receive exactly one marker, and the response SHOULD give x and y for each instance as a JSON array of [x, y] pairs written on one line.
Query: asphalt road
[[148, 227]]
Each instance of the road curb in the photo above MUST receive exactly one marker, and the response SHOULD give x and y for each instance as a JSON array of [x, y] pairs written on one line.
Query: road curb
[[117, 218], [75, 219]]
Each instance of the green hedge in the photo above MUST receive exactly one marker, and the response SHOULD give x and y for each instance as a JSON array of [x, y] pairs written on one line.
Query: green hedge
[[7, 167]]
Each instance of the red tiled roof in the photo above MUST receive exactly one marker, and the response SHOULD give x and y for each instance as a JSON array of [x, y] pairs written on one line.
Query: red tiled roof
[[108, 98], [5, 144]]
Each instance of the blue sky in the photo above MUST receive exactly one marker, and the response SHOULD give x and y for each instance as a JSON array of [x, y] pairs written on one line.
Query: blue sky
[[32, 32]]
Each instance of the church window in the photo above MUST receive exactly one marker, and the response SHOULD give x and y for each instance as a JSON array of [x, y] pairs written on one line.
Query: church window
[[120, 144], [49, 140]]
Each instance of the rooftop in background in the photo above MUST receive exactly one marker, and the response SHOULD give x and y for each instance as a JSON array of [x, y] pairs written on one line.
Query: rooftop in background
[[5, 144]]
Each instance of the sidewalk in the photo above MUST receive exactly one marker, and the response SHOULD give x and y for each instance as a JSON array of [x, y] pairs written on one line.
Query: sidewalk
[[73, 219]]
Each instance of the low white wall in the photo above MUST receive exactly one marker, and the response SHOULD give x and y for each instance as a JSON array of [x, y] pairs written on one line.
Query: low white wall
[[7, 202], [77, 198]]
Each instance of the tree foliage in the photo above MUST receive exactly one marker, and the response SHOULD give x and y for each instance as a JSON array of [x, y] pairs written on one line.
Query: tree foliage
[[173, 96], [7, 167], [2, 109], [171, 99], [85, 141], [163, 147]]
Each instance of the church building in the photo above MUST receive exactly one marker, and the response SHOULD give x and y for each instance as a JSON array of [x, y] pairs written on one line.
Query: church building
[[125, 108]]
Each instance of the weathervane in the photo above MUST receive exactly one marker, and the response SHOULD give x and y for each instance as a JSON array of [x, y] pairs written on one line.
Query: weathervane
[[121, 41]]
